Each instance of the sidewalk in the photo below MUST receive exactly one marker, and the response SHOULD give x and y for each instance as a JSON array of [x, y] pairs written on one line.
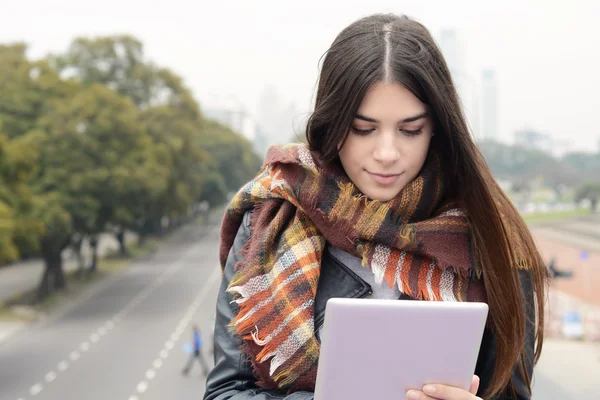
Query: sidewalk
[[25, 275], [567, 370]]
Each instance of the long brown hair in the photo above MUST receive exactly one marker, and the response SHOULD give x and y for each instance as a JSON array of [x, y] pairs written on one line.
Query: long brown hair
[[398, 49]]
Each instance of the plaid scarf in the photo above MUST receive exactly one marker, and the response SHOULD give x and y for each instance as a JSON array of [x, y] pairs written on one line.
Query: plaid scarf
[[417, 241]]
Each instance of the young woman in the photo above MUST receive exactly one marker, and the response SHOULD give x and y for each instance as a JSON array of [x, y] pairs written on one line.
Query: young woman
[[390, 199]]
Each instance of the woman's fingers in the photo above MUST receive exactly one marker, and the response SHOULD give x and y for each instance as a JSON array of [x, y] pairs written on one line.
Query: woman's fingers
[[418, 395], [474, 384], [443, 392]]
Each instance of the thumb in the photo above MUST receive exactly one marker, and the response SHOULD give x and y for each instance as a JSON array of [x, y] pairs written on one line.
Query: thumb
[[474, 385]]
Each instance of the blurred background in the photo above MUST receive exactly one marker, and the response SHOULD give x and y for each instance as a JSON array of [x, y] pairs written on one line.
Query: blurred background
[[126, 125]]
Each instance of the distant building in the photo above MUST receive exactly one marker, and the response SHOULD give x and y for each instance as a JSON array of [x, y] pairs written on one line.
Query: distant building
[[489, 105], [237, 120], [279, 122], [466, 85], [452, 51], [261, 142]]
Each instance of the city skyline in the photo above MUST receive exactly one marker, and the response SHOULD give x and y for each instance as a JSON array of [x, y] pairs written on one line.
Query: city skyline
[[236, 49]]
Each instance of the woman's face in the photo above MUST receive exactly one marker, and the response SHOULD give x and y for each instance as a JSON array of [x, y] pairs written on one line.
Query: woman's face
[[388, 141]]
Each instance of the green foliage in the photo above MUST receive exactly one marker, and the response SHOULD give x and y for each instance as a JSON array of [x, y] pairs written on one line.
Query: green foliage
[[588, 163], [522, 165], [591, 192], [214, 190], [98, 138], [18, 158], [232, 155]]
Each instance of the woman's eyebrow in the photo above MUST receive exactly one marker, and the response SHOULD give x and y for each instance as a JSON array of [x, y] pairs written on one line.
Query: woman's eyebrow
[[405, 120]]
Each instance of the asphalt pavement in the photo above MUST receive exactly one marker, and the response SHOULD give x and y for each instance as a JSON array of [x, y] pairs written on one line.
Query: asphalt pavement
[[124, 339]]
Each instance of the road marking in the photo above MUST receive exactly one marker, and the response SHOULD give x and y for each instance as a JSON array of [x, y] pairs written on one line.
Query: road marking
[[117, 317], [142, 386], [150, 374], [164, 353], [36, 389], [50, 376]]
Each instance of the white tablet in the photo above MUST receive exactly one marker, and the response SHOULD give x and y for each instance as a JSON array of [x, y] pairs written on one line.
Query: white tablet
[[379, 349]]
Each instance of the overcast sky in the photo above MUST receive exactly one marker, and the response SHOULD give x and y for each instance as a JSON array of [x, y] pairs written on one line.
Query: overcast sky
[[546, 53]]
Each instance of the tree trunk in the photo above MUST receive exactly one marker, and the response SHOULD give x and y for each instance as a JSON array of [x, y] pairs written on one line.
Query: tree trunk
[[94, 247], [53, 277], [122, 245], [594, 204], [142, 236], [77, 245]]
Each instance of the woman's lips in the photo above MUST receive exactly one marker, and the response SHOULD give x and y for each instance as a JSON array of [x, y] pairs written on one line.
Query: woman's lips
[[384, 179]]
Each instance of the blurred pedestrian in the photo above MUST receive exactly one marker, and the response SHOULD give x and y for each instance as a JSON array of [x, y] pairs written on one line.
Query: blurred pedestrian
[[196, 353]]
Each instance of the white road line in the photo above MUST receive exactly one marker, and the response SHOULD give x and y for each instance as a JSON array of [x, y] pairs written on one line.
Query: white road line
[[150, 374], [36, 389], [142, 386], [85, 346], [50, 376]]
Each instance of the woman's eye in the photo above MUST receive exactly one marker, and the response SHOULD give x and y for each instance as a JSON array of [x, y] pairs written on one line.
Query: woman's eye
[[361, 131], [413, 133]]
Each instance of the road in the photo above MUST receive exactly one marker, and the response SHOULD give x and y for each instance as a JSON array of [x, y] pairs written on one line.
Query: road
[[124, 338]]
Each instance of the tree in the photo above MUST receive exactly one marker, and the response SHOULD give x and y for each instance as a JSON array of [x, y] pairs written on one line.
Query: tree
[[99, 138], [583, 162], [188, 160], [26, 88], [231, 155], [522, 165], [18, 228], [214, 190], [111, 157], [169, 114], [591, 192]]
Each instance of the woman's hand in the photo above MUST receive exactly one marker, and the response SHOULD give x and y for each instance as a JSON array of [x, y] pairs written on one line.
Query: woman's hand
[[443, 392]]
